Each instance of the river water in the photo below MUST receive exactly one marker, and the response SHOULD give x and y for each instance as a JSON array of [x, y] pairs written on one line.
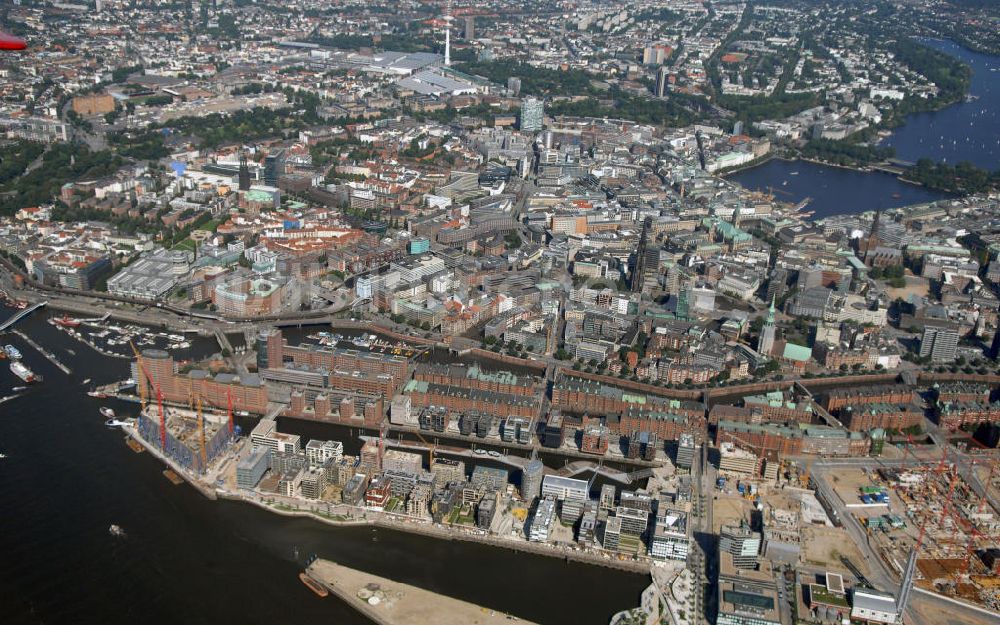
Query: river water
[[190, 560], [966, 131]]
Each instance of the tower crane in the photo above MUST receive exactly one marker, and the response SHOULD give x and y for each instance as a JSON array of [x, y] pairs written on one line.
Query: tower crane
[[201, 436], [229, 408], [140, 383]]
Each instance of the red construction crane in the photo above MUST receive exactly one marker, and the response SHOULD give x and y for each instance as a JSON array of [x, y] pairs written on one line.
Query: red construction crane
[[163, 419], [940, 468], [229, 406], [973, 535], [923, 526], [201, 436]]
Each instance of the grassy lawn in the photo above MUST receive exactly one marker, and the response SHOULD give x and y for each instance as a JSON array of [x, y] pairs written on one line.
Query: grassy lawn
[[186, 244], [211, 225], [820, 594]]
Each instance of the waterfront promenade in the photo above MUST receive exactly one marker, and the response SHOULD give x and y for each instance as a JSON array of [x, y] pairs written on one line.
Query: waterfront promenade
[[344, 515]]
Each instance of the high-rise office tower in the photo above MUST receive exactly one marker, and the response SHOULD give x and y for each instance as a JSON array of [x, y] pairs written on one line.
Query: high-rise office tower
[[662, 81], [532, 114]]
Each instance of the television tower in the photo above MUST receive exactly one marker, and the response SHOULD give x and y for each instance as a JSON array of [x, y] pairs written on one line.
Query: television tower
[[447, 34]]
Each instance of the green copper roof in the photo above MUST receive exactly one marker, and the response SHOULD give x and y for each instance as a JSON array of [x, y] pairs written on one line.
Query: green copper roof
[[798, 353]]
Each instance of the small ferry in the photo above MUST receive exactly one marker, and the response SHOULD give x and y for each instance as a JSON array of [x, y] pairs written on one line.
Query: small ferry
[[313, 585]]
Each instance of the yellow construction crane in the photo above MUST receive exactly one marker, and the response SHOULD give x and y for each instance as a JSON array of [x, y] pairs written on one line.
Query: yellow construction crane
[[804, 478]]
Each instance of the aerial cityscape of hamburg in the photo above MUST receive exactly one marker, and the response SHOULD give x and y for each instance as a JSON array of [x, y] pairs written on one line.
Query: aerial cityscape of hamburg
[[550, 312]]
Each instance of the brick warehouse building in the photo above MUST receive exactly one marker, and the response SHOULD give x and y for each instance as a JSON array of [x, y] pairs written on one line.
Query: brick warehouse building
[[273, 352], [584, 396], [247, 391], [475, 377], [350, 405], [868, 416], [835, 399], [464, 400], [776, 441], [666, 426], [954, 414], [328, 406]]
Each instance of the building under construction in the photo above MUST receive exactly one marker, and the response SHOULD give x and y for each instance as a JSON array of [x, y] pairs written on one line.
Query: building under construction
[[938, 514], [191, 440]]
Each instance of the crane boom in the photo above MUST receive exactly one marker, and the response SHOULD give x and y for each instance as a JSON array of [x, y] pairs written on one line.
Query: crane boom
[[201, 436], [163, 419]]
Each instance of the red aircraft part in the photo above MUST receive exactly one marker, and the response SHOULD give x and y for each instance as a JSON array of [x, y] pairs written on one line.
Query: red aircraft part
[[8, 42]]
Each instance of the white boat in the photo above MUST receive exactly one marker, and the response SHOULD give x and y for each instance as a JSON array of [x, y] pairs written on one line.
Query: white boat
[[26, 374], [87, 381], [2, 456], [18, 389], [115, 423], [12, 352], [96, 393], [115, 530], [107, 412]]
